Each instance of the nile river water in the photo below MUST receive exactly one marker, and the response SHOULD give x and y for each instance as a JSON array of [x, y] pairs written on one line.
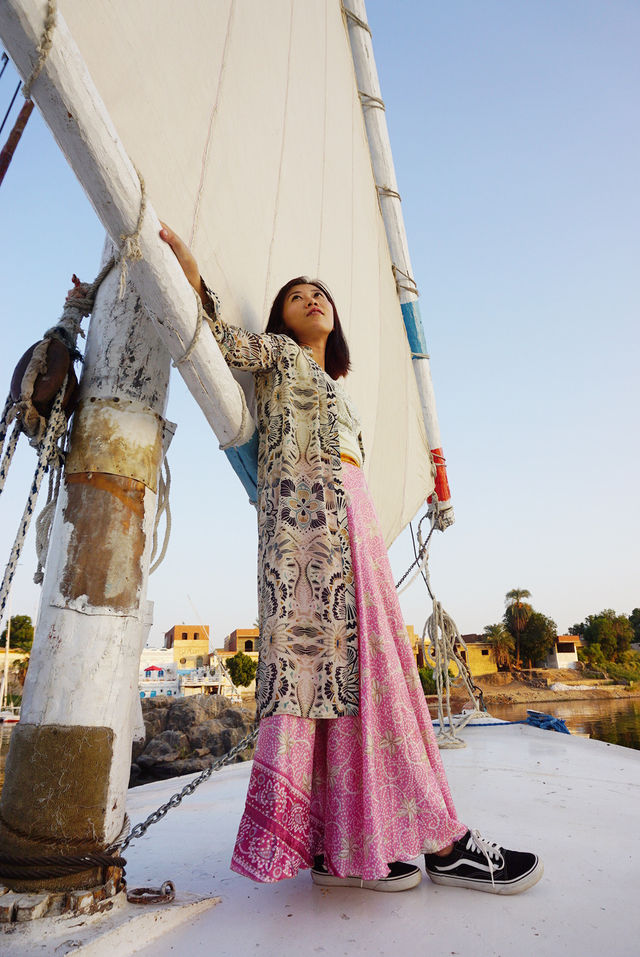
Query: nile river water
[[616, 721]]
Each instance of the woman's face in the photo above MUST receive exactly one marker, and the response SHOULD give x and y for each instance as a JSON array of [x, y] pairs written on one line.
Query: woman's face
[[307, 313]]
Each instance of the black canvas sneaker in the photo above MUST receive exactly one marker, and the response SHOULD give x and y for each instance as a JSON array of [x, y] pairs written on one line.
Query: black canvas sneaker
[[401, 877], [479, 864]]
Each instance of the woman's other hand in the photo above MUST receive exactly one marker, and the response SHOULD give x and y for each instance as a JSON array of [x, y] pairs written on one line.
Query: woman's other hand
[[185, 258]]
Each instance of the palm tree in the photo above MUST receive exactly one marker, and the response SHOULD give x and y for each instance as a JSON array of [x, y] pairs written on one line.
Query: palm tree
[[502, 643], [21, 669], [518, 614]]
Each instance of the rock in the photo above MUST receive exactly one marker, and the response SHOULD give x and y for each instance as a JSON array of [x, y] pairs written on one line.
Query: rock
[[186, 735], [166, 747]]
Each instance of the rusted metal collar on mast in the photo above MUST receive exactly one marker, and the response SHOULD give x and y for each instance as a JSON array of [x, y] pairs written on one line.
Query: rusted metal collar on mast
[[118, 437]]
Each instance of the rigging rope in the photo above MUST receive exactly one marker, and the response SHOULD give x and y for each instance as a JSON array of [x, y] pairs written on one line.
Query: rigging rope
[[444, 642], [130, 242], [43, 48], [49, 456], [163, 507]]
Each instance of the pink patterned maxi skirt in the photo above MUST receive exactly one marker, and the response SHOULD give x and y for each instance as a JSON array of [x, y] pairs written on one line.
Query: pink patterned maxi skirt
[[363, 790]]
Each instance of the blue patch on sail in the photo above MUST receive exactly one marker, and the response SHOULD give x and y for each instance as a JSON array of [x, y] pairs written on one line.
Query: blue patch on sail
[[244, 462], [414, 327]]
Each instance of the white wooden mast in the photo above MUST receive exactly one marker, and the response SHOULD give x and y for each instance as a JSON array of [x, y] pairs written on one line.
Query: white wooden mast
[[390, 204]]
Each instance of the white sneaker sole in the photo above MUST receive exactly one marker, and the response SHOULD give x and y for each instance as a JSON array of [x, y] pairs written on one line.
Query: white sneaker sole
[[387, 885], [513, 887]]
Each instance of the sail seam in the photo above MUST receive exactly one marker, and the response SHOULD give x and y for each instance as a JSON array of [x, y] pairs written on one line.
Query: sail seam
[[280, 164], [214, 111]]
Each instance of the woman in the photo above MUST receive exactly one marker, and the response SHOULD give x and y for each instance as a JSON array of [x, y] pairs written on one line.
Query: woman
[[347, 776]]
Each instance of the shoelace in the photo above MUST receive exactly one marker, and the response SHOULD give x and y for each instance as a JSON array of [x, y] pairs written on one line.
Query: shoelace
[[478, 844]]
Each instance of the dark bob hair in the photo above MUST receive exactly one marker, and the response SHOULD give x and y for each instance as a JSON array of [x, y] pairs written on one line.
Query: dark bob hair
[[337, 361]]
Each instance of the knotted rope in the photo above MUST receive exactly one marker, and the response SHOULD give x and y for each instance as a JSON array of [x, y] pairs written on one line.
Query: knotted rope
[[444, 643], [130, 242], [43, 48]]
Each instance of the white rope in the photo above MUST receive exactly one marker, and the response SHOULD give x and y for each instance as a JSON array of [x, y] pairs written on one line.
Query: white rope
[[5, 421], [444, 642], [199, 322], [164, 489], [49, 455], [243, 423], [130, 249], [43, 48], [44, 522], [243, 402], [8, 454]]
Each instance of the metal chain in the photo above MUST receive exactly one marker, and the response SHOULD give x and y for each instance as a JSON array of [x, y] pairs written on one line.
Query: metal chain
[[176, 799]]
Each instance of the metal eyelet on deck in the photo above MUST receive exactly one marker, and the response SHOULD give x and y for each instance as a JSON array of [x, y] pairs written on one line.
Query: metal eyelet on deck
[[152, 895]]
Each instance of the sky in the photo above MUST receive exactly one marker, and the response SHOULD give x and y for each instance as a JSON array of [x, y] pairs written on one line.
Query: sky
[[515, 134]]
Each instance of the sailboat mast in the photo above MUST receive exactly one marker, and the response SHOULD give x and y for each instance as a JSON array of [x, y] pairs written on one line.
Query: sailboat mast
[[67, 771], [390, 205]]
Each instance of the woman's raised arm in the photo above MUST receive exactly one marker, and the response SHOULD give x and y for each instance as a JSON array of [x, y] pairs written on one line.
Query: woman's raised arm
[[186, 259], [251, 351]]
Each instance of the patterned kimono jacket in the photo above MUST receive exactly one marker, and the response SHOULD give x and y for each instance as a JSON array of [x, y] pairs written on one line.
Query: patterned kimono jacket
[[308, 660]]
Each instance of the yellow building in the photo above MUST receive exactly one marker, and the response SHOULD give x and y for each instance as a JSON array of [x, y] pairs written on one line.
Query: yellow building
[[190, 644], [480, 656], [246, 641]]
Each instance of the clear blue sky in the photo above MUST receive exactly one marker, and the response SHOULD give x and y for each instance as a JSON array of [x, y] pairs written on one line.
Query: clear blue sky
[[515, 133]]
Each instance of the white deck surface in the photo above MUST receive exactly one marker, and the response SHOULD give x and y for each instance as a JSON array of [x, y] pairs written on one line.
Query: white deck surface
[[573, 800]]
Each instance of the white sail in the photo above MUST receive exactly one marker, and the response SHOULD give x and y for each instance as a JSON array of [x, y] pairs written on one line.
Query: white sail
[[245, 121]]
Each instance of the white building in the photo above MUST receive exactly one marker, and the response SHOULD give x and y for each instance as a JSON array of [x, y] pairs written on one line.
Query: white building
[[158, 674], [565, 652]]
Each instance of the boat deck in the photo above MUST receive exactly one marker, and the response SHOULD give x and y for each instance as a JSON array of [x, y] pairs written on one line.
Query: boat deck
[[572, 800]]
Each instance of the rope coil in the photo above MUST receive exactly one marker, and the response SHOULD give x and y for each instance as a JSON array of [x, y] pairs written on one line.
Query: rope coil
[[48, 866]]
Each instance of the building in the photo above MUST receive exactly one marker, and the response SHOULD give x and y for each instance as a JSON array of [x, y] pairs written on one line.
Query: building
[[479, 656], [565, 652], [155, 681], [210, 679], [190, 646], [243, 639]]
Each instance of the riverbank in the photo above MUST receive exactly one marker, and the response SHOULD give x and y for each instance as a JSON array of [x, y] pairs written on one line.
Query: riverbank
[[548, 685], [519, 693]]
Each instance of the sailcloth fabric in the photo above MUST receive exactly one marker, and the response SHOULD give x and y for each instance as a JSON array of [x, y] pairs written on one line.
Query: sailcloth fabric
[[363, 790], [262, 165]]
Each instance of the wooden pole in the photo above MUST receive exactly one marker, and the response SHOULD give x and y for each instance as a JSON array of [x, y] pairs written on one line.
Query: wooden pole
[[11, 145]]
